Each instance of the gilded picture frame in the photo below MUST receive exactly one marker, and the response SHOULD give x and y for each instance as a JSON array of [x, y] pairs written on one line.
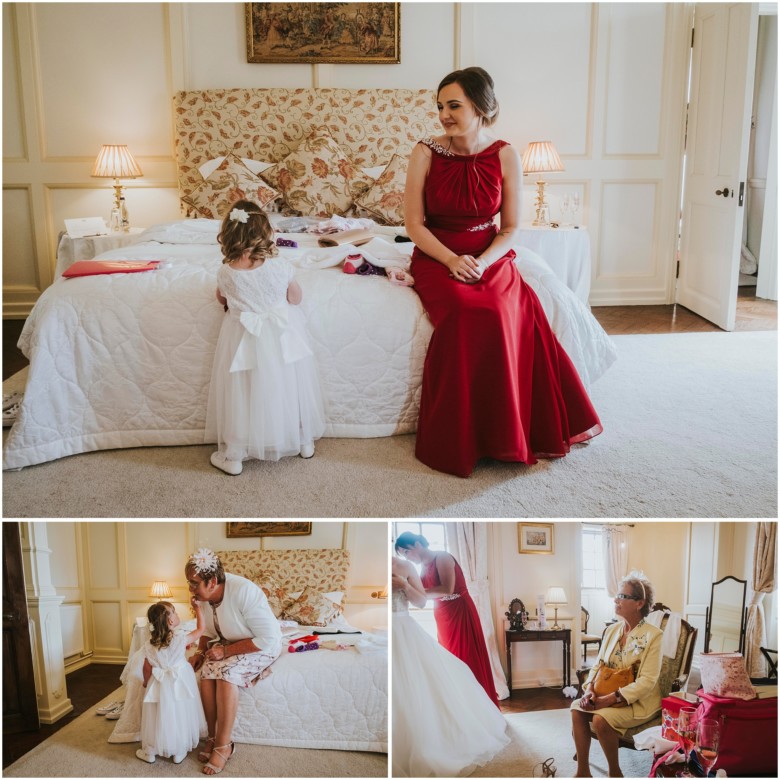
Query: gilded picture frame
[[281, 528], [359, 32], [535, 538]]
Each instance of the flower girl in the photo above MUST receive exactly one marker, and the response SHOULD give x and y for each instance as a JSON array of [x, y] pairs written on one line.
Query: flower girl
[[264, 399], [172, 718]]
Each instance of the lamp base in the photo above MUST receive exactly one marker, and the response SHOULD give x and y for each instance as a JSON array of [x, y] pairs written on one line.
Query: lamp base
[[555, 626], [542, 209]]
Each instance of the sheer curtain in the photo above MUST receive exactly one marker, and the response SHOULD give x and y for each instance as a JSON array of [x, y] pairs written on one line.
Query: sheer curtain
[[763, 582], [468, 543], [615, 541]]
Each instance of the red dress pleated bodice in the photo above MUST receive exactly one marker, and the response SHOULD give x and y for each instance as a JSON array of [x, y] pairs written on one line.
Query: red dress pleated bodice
[[496, 382], [458, 626]]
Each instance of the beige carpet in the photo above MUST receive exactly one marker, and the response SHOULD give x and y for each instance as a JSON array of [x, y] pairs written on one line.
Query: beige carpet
[[537, 736], [80, 749], [690, 431]]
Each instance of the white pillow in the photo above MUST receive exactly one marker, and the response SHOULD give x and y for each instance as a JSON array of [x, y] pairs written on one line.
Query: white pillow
[[256, 166], [374, 172]]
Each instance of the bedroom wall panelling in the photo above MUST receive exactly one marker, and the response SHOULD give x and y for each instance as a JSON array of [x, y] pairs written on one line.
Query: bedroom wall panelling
[[524, 576], [605, 82]]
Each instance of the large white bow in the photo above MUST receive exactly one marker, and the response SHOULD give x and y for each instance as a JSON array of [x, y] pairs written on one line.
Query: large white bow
[[293, 345], [169, 676]]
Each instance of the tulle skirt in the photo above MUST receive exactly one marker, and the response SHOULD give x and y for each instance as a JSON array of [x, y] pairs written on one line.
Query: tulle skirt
[[269, 411], [444, 724]]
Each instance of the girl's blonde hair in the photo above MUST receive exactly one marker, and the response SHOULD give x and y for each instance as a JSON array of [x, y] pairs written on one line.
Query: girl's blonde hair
[[157, 615], [256, 234]]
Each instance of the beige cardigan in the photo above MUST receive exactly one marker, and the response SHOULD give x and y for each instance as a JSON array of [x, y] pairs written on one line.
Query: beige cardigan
[[643, 644]]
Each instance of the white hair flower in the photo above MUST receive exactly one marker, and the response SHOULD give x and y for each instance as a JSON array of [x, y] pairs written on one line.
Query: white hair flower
[[204, 560], [239, 215]]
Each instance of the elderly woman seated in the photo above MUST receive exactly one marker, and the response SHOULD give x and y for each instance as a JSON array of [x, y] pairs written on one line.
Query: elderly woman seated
[[629, 642]]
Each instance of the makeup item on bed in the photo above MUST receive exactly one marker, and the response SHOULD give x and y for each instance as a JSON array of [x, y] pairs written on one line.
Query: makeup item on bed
[[354, 237], [286, 242], [95, 267], [369, 269], [302, 644], [320, 632], [402, 240], [352, 263]]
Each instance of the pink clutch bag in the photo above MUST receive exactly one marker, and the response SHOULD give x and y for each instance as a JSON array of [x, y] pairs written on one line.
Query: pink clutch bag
[[725, 675]]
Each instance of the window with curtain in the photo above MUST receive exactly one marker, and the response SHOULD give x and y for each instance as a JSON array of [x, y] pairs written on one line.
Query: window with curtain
[[593, 584]]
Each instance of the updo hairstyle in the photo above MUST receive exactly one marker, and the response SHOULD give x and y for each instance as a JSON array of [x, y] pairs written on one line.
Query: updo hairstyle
[[407, 540], [478, 87]]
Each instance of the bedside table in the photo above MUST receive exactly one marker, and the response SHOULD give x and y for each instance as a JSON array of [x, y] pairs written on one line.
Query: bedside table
[[566, 250], [69, 250]]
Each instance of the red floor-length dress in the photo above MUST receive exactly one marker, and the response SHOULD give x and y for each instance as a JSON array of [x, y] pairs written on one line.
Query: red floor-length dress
[[458, 626], [496, 382]]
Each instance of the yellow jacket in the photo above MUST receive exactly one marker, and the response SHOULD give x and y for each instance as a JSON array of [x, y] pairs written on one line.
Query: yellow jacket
[[643, 644]]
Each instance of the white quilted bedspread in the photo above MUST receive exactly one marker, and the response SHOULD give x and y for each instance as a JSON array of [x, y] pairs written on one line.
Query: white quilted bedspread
[[320, 699], [124, 360]]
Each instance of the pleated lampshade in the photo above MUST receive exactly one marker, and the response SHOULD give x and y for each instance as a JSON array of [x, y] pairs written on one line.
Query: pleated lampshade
[[160, 590], [115, 162], [540, 157]]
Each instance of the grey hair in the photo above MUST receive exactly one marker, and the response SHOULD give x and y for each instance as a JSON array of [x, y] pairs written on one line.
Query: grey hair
[[641, 588]]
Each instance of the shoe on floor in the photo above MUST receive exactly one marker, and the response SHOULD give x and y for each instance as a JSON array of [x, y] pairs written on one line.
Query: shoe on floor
[[9, 414], [116, 713], [11, 398], [144, 756], [112, 705], [307, 450], [179, 759], [232, 467]]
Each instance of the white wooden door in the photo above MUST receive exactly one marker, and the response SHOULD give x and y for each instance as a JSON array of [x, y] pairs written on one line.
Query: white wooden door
[[724, 53]]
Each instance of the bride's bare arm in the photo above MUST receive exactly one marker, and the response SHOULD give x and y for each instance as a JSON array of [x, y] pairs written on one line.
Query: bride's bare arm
[[405, 577]]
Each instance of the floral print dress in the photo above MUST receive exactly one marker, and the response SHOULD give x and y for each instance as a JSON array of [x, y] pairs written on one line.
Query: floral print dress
[[643, 696]]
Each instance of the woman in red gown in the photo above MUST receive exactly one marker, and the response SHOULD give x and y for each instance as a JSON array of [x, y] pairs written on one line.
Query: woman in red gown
[[496, 382], [457, 620]]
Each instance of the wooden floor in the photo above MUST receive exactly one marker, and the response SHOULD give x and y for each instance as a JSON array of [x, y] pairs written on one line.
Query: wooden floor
[[86, 687], [752, 314], [535, 700]]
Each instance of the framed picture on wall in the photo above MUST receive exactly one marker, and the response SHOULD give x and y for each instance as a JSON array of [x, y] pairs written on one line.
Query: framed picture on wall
[[323, 32], [236, 530], [535, 538]]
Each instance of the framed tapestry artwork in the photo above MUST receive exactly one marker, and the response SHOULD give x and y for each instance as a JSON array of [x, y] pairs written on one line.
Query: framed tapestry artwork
[[535, 538], [323, 32], [236, 530]]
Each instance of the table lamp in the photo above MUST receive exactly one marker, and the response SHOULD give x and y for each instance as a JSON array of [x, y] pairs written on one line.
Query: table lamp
[[556, 598], [115, 162], [541, 157], [160, 590]]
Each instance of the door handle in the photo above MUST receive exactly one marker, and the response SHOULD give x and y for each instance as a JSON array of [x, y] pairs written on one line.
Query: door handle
[[725, 192]]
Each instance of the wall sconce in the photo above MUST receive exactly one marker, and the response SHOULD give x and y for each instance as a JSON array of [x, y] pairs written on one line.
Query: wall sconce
[[556, 597], [541, 157], [115, 162], [380, 594], [160, 590]]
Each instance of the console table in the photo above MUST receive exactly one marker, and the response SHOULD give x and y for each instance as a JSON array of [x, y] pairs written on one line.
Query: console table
[[560, 635]]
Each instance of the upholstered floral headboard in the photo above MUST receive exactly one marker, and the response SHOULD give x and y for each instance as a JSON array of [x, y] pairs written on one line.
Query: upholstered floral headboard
[[370, 125], [321, 570]]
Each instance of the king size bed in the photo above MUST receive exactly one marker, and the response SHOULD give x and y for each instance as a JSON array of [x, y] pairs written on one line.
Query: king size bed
[[124, 360]]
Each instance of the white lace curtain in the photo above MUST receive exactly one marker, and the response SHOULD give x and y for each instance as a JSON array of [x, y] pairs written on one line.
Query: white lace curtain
[[764, 564], [614, 539], [468, 543]]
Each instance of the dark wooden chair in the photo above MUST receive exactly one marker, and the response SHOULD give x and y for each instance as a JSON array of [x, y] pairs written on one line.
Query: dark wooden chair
[[771, 664], [585, 637]]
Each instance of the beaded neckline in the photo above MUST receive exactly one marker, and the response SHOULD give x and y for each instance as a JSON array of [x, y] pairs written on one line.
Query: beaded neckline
[[437, 147]]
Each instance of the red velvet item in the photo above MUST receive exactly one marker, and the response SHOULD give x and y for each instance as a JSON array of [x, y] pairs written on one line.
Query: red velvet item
[[496, 382], [459, 629], [96, 267]]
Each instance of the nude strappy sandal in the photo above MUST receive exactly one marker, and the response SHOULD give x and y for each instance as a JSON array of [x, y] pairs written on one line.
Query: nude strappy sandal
[[205, 755], [215, 770]]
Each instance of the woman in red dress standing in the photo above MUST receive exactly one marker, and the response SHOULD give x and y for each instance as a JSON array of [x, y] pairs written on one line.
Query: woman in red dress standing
[[496, 382], [457, 619]]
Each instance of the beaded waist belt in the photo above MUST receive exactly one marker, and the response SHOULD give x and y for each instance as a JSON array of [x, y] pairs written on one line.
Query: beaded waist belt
[[451, 597]]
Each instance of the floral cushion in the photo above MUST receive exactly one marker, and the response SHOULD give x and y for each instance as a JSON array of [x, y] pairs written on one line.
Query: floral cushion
[[229, 182], [724, 674], [318, 179], [384, 202], [312, 608], [278, 596]]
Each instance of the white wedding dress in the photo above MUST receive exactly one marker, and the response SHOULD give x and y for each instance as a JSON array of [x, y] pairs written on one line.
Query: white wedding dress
[[444, 725]]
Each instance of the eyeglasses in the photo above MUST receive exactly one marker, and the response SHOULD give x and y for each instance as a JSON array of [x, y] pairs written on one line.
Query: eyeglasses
[[624, 596]]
